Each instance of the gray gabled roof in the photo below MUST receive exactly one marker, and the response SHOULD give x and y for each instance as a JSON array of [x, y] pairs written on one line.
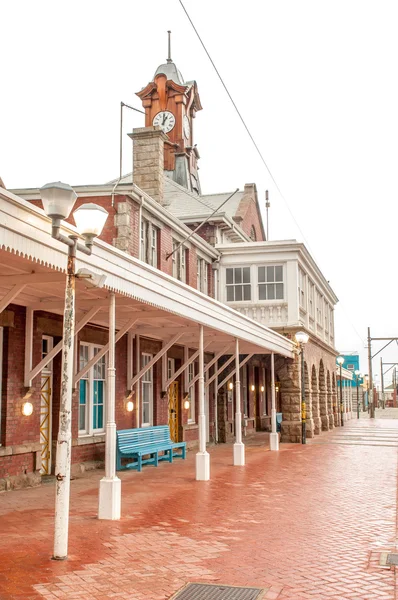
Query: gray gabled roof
[[183, 203]]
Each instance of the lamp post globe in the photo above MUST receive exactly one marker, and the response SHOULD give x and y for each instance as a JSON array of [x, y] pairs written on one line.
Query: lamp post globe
[[58, 199], [90, 220]]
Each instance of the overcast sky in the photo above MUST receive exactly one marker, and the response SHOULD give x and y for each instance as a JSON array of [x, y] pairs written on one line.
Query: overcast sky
[[316, 82]]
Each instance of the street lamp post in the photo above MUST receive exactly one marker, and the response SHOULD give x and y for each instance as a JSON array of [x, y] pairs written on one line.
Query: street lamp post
[[58, 200], [357, 375], [340, 361], [302, 339]]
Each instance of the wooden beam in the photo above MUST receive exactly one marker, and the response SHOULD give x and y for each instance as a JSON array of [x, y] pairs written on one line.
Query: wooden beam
[[211, 363], [31, 278], [10, 296], [220, 370], [103, 351], [155, 359], [184, 366], [83, 321], [244, 361]]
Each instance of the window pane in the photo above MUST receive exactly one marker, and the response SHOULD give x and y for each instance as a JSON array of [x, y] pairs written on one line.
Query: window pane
[[278, 273], [82, 403], [238, 292], [271, 291], [98, 405], [279, 291], [262, 292], [270, 273], [246, 292], [238, 275], [246, 275], [261, 274], [230, 294], [230, 276]]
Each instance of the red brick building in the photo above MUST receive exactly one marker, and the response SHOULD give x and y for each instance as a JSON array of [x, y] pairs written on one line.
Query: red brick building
[[166, 279]]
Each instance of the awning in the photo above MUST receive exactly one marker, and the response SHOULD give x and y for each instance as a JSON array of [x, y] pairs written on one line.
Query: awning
[[29, 256]]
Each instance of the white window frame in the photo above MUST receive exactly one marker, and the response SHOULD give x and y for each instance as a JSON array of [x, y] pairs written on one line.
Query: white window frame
[[319, 309], [234, 285], [90, 378], [326, 315], [302, 294], [311, 296], [144, 228], [191, 393], [183, 265], [171, 368], [270, 282], [149, 243], [147, 382], [202, 280], [175, 260], [179, 262], [154, 247]]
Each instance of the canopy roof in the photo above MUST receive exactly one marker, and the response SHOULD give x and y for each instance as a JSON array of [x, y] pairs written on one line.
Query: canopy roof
[[32, 268]]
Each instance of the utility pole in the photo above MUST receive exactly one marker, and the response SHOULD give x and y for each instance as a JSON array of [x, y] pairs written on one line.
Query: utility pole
[[267, 205], [370, 390], [382, 383]]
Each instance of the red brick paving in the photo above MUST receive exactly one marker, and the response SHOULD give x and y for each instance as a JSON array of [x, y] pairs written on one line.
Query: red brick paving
[[307, 523]]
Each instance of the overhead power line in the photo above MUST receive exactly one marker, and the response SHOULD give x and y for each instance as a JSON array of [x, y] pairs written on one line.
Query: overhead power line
[[255, 143], [246, 127]]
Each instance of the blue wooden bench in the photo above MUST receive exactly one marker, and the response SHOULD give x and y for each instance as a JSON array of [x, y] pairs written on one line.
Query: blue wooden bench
[[278, 421], [144, 446]]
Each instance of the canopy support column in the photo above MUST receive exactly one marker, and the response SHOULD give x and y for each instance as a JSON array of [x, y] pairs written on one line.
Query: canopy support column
[[110, 485], [274, 437], [239, 447], [202, 457]]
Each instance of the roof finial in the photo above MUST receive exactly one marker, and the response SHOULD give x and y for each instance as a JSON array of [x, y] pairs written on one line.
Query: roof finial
[[169, 57]]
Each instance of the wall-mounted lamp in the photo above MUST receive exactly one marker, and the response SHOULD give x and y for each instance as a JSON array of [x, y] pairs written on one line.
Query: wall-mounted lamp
[[252, 387], [277, 388], [230, 385], [130, 406], [163, 394], [186, 404], [262, 388], [27, 409]]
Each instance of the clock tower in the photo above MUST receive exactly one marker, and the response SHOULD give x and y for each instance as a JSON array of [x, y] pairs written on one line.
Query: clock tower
[[171, 104]]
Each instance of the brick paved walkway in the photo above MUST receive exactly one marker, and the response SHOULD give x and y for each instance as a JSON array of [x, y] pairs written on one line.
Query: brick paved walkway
[[307, 523]]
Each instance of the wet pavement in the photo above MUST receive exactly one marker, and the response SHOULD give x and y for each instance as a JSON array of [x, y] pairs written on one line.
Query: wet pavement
[[308, 522]]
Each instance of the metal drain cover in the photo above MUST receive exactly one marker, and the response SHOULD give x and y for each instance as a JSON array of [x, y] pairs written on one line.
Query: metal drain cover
[[204, 591], [392, 559]]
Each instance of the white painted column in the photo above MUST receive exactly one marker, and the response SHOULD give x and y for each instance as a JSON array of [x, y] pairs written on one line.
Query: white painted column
[[239, 447], [110, 485], [274, 437], [202, 457]]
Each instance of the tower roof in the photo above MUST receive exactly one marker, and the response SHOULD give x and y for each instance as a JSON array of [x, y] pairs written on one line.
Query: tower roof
[[172, 73]]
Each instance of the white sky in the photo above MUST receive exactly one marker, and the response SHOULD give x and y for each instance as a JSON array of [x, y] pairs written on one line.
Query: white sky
[[316, 82]]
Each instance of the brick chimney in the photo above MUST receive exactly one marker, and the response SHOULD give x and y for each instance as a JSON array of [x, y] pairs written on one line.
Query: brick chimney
[[148, 160]]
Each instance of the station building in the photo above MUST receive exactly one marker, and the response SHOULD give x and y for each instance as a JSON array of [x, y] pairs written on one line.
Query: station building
[[177, 262]]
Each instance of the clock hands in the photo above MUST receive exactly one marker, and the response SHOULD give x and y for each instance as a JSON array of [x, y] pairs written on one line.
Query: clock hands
[[164, 118]]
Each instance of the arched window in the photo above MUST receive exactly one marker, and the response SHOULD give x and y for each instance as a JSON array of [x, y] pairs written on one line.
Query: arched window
[[253, 235]]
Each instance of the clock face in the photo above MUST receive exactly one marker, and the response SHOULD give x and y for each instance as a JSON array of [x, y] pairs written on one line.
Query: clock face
[[165, 120], [187, 127]]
